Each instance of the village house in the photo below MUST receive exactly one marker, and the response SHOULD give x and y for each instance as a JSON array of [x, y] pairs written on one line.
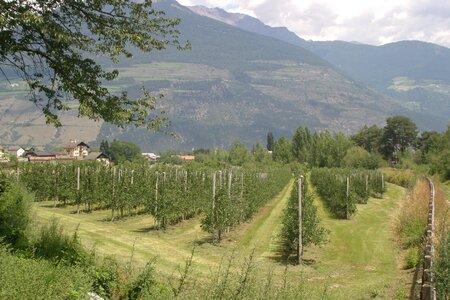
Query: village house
[[151, 156], [98, 156], [2, 151], [76, 149], [16, 151]]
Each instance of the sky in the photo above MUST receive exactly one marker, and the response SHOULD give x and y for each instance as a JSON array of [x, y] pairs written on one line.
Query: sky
[[374, 22]]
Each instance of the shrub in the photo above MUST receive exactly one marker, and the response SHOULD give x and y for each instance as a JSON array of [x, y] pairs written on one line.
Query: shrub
[[145, 286], [412, 258], [54, 244], [14, 213], [108, 278], [24, 278], [358, 157]]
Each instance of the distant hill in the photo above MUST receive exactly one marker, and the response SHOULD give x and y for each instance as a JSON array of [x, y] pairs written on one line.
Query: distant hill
[[22, 123], [416, 73], [233, 84], [249, 23]]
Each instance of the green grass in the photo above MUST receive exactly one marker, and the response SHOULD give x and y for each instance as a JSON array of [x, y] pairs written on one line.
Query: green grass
[[446, 187], [262, 233], [407, 84], [173, 71], [359, 262], [13, 93]]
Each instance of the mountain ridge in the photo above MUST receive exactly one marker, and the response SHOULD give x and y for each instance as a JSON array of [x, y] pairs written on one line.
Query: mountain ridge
[[423, 66], [235, 84]]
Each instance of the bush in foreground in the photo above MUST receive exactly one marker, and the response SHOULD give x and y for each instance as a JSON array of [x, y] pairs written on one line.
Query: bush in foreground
[[14, 213], [24, 278]]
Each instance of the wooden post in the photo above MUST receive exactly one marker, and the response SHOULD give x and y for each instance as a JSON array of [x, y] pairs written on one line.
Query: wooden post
[[213, 200], [230, 177], [113, 199], [156, 197], [65, 200], [78, 190], [121, 185], [214, 191], [56, 187], [382, 185], [89, 187], [367, 184], [242, 185], [348, 191], [132, 183], [300, 228]]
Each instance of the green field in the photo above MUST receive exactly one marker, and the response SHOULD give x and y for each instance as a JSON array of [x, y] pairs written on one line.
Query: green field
[[407, 84], [360, 261]]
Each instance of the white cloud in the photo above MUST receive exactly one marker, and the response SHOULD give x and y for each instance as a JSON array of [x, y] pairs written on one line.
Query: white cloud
[[369, 21]]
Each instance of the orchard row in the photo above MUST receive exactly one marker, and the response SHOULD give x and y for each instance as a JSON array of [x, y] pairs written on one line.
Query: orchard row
[[169, 194], [341, 189]]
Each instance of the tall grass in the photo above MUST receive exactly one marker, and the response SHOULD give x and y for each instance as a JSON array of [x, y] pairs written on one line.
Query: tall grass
[[246, 279], [442, 253], [412, 220], [442, 262], [404, 178], [411, 228]]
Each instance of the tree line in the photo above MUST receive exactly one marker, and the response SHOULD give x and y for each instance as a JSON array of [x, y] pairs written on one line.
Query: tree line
[[397, 143]]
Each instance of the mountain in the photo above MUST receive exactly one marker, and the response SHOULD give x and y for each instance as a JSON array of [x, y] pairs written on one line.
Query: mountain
[[416, 73], [233, 84], [249, 23], [22, 123]]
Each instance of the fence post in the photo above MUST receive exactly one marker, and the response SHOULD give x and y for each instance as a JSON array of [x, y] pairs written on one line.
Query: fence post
[[300, 228], [213, 200], [428, 291], [78, 190], [347, 214]]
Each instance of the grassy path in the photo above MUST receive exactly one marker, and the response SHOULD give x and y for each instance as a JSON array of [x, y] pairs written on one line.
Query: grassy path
[[262, 232], [360, 260]]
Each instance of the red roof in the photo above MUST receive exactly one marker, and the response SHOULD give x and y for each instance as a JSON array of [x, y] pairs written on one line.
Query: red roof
[[187, 157]]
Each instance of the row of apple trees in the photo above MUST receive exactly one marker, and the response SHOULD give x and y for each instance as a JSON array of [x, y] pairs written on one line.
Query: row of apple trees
[[169, 193], [307, 221], [236, 196], [341, 189]]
